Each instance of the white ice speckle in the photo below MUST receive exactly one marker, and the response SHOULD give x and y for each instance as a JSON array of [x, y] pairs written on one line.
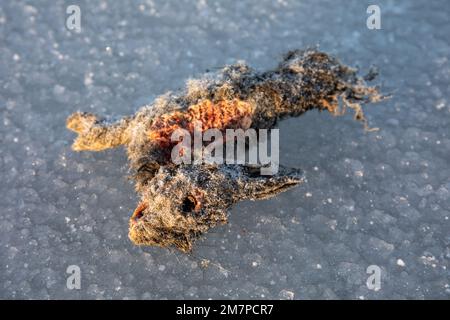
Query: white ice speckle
[[286, 294], [88, 79], [359, 173], [400, 263], [440, 105]]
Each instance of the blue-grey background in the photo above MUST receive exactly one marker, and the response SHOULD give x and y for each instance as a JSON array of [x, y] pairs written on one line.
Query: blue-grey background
[[378, 198]]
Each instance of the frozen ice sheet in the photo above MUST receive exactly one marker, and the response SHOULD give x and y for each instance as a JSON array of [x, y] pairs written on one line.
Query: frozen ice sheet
[[371, 199]]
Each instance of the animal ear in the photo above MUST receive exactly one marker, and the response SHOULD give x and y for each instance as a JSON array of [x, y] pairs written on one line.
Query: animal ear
[[256, 186]]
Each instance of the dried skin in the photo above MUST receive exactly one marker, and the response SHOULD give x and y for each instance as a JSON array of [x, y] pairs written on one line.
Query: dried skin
[[179, 203]]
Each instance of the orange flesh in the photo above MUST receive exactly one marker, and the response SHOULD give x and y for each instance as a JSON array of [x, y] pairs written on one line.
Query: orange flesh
[[138, 211], [225, 114]]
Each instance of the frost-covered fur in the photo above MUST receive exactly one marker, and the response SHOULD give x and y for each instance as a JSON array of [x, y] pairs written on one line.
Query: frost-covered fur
[[179, 203]]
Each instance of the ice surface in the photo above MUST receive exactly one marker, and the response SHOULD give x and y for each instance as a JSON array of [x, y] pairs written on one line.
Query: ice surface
[[380, 198]]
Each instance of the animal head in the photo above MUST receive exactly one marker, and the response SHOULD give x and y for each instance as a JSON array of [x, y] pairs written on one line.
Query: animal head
[[182, 202]]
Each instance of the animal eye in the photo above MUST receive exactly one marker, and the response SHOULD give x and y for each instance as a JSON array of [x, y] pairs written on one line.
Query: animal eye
[[189, 204]]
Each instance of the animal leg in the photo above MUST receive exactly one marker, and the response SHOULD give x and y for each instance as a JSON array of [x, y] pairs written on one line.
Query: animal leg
[[95, 134]]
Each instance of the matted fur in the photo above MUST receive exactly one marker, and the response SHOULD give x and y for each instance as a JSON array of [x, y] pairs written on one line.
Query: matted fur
[[181, 202]]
